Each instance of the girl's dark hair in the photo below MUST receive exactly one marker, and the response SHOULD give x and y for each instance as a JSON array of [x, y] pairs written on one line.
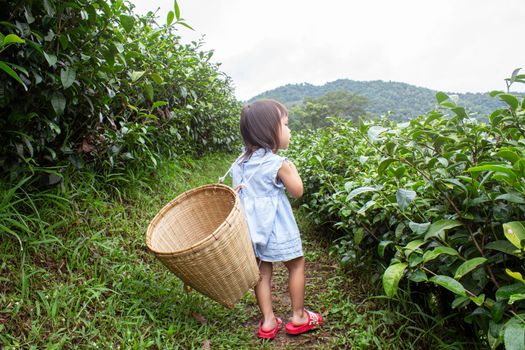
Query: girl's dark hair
[[261, 125]]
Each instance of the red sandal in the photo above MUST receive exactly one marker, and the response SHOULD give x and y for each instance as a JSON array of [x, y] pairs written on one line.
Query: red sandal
[[272, 333], [314, 321]]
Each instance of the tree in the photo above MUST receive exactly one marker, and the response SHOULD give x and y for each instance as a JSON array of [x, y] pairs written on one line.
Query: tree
[[314, 111]]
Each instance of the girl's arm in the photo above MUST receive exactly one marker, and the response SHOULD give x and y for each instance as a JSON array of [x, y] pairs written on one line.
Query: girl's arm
[[291, 179]]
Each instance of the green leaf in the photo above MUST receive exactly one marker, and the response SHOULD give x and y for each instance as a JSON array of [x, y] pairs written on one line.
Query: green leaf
[[399, 172], [504, 293], [159, 104], [515, 275], [418, 228], [510, 100], [49, 7], [516, 297], [433, 116], [457, 183], [514, 74], [177, 9], [495, 93], [384, 165], [148, 92], [363, 159], [120, 47], [418, 276], [127, 22], [511, 197], [58, 101], [450, 284], [382, 246], [358, 191], [136, 75], [478, 300], [184, 93], [359, 235], [432, 254], [64, 41], [169, 19], [50, 58], [28, 145], [438, 228], [494, 167], [29, 16], [391, 278], [515, 233], [460, 112], [391, 147], [374, 133], [127, 156], [413, 245], [509, 155], [399, 230], [468, 266], [4, 66], [502, 246], [460, 300], [498, 310], [67, 76], [185, 25], [441, 96], [365, 207], [13, 39], [404, 197], [157, 78], [514, 334], [55, 128]]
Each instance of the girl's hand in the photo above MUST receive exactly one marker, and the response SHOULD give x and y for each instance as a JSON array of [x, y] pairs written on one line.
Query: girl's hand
[[291, 179], [239, 187]]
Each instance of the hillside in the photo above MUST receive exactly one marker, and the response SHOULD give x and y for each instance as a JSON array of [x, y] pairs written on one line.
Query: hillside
[[404, 100]]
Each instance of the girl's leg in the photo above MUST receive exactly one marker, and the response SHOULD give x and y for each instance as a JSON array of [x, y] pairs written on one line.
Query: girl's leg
[[296, 286], [263, 292]]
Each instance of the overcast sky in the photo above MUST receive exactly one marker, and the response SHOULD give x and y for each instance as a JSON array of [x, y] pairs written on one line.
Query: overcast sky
[[448, 45]]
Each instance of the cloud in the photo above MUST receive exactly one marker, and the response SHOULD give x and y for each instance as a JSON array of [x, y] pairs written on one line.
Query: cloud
[[458, 46]]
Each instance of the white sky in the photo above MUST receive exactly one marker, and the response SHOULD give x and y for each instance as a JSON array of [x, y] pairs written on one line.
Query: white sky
[[448, 45]]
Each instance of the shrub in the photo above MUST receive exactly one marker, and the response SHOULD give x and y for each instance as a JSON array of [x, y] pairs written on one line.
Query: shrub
[[439, 199], [91, 82]]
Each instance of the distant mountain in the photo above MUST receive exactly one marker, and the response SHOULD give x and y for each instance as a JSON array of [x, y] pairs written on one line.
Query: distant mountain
[[405, 101]]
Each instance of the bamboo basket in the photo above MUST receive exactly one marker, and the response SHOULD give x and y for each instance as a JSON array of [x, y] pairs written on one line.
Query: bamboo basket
[[202, 237]]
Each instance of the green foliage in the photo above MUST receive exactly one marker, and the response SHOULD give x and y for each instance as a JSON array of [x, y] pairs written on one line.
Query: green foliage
[[437, 198], [85, 280], [399, 100], [91, 82], [315, 112]]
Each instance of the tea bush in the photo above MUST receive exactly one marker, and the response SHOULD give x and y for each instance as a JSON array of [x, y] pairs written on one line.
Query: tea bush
[[438, 200], [90, 82]]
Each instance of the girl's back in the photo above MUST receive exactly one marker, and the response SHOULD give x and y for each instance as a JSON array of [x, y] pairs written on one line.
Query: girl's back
[[271, 223], [258, 174]]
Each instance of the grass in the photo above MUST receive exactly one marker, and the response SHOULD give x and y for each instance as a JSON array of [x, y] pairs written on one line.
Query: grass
[[85, 280]]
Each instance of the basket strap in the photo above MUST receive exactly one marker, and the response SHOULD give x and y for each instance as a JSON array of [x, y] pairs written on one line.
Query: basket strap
[[222, 178], [245, 183]]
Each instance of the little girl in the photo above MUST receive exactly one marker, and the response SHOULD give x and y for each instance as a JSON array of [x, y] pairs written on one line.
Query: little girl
[[260, 176]]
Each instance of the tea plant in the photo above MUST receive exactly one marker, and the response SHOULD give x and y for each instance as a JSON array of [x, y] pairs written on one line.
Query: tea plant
[[90, 82], [439, 199]]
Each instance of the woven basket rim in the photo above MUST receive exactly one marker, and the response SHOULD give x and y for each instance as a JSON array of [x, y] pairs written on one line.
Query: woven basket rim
[[174, 202]]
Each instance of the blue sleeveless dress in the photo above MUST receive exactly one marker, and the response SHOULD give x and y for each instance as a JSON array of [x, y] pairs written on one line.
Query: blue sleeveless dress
[[273, 229]]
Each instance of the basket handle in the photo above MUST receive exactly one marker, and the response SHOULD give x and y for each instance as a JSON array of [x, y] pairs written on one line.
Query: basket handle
[[244, 184]]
